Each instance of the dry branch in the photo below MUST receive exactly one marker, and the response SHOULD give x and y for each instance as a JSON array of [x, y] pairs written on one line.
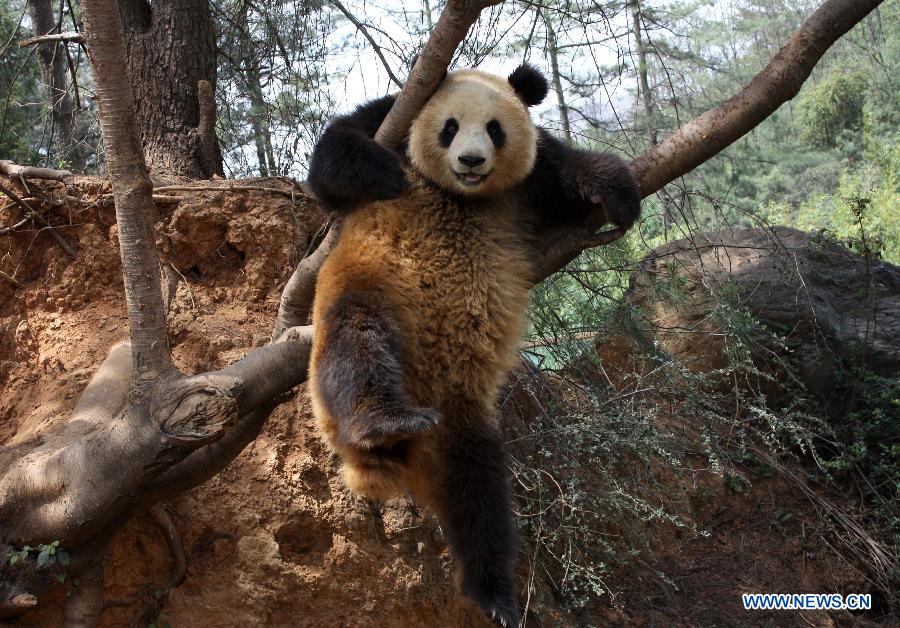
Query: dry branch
[[67, 36], [30, 172]]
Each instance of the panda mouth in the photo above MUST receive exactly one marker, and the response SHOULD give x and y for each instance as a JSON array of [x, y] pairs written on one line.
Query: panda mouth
[[471, 179]]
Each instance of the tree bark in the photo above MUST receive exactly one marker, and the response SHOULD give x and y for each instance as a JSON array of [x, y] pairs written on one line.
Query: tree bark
[[169, 47], [52, 56]]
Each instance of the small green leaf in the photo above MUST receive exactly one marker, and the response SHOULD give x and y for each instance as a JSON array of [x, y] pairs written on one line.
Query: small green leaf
[[63, 557], [27, 548], [61, 577], [54, 544], [13, 559], [43, 558]]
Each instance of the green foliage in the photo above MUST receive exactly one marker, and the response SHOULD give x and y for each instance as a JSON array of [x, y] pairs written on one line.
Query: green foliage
[[46, 555], [865, 201], [832, 107]]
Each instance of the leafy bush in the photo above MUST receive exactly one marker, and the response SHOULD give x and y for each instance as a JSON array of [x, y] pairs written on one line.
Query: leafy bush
[[832, 107]]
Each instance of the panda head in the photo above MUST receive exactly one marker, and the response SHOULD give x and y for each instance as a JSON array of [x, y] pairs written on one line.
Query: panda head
[[475, 136]]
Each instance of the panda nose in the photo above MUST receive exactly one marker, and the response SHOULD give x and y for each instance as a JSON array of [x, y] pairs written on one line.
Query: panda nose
[[471, 160]]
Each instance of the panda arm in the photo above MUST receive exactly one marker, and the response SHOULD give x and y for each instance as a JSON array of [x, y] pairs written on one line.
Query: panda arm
[[348, 168], [571, 186]]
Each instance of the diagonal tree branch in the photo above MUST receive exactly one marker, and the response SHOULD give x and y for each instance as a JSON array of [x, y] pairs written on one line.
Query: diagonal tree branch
[[713, 131], [710, 133]]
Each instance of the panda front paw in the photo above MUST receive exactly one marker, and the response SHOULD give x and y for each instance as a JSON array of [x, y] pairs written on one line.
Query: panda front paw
[[347, 171], [604, 182], [387, 426]]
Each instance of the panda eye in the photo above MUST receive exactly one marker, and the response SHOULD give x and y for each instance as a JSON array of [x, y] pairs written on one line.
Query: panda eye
[[451, 126], [495, 131]]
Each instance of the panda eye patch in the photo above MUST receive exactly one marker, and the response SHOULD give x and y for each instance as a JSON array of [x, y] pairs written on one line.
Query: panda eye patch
[[451, 126], [495, 131]]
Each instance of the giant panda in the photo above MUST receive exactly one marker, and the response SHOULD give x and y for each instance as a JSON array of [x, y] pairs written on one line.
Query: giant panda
[[421, 305]]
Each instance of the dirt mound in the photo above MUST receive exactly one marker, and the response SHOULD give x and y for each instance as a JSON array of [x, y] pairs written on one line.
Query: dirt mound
[[275, 539]]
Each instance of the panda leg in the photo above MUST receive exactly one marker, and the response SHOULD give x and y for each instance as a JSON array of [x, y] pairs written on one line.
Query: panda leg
[[473, 501], [360, 374]]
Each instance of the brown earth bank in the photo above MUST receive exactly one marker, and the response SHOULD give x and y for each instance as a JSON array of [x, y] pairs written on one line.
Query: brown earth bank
[[276, 540]]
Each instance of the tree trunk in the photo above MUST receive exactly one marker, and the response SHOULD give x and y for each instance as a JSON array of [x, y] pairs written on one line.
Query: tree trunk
[[169, 47], [52, 56]]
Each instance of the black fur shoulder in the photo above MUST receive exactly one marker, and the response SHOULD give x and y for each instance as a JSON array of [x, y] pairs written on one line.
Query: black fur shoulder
[[348, 169], [568, 185]]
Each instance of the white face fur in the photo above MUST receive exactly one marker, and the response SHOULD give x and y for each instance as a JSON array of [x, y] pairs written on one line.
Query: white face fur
[[474, 136]]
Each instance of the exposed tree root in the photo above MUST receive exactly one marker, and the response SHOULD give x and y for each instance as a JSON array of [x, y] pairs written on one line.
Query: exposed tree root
[[176, 548]]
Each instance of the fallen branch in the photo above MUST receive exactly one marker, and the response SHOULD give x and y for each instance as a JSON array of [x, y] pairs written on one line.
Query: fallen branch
[[12, 228], [30, 212], [291, 194], [173, 538], [30, 172]]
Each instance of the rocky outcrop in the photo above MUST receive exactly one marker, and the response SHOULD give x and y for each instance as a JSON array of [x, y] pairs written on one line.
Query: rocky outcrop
[[832, 307]]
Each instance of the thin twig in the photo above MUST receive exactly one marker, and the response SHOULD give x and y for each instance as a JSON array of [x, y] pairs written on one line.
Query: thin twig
[[10, 228], [362, 29]]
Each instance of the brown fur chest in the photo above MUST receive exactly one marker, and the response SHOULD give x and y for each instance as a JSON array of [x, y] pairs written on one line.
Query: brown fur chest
[[456, 275]]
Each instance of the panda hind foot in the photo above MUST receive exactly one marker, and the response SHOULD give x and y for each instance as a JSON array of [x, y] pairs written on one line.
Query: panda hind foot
[[387, 426], [501, 609]]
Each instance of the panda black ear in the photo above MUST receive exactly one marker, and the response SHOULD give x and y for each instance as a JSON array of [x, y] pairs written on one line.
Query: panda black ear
[[529, 83]]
